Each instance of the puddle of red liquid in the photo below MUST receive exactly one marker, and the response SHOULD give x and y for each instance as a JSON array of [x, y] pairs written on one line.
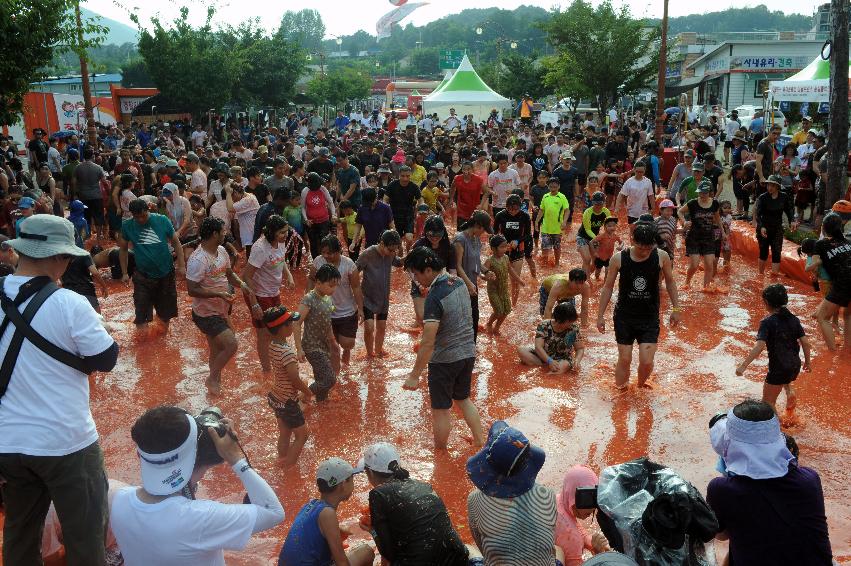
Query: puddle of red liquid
[[577, 419]]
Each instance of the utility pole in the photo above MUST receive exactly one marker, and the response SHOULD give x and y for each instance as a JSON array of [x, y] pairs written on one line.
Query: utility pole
[[837, 140], [663, 69], [91, 132]]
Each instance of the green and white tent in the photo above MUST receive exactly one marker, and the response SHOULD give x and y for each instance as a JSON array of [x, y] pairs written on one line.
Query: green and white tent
[[467, 93], [810, 84]]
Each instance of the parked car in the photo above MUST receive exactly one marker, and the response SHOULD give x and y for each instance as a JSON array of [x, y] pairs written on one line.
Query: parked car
[[747, 112]]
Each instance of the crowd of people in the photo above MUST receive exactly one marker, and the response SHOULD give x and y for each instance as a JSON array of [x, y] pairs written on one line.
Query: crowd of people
[[238, 209]]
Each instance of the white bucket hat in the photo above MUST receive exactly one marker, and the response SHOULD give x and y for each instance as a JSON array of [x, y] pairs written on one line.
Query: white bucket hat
[[46, 235]]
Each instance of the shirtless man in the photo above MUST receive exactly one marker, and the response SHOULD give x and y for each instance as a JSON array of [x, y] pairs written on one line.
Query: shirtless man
[[636, 316], [565, 287]]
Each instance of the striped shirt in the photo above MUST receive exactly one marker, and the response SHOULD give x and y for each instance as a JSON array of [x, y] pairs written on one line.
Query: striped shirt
[[514, 531], [282, 355]]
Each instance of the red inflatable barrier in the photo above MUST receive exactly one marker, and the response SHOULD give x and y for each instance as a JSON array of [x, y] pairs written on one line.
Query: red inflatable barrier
[[743, 241]]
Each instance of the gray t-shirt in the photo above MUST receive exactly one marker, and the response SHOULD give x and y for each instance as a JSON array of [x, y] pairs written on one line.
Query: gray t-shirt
[[273, 183], [343, 297], [376, 278], [88, 175], [580, 159], [454, 340], [472, 261]]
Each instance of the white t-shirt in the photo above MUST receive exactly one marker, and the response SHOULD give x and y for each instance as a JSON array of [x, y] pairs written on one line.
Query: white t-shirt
[[246, 213], [731, 128], [198, 184], [220, 210], [269, 263], [710, 141], [178, 531], [198, 138], [343, 297], [427, 124], [212, 273], [502, 184], [45, 411], [636, 193]]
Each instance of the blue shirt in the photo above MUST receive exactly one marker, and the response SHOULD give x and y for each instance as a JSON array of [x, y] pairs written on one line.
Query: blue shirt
[[757, 125], [305, 545], [340, 122]]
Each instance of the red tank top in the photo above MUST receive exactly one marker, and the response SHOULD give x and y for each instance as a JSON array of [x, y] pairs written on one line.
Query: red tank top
[[315, 206]]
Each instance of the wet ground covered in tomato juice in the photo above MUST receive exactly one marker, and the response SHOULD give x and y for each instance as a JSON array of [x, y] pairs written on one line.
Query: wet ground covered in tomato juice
[[577, 419]]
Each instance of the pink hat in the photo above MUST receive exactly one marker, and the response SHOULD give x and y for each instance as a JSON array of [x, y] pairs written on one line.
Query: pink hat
[[667, 203], [399, 157]]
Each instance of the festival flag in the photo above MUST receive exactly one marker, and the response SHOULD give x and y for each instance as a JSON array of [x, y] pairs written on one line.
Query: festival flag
[[383, 26]]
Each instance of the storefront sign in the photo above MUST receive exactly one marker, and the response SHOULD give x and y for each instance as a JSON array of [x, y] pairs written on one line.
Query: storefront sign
[[674, 70], [760, 63], [129, 104], [720, 65]]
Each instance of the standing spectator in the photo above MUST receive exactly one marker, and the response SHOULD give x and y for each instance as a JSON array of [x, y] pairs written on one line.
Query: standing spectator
[[37, 149], [154, 276], [512, 517], [244, 206], [49, 447], [468, 253], [636, 195], [88, 175], [447, 345], [198, 179], [764, 490]]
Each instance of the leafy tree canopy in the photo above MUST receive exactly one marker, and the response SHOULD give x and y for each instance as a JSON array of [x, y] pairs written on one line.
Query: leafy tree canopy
[[304, 28]]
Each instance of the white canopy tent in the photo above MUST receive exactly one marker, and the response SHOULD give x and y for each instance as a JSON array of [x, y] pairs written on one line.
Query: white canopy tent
[[467, 93], [810, 84]]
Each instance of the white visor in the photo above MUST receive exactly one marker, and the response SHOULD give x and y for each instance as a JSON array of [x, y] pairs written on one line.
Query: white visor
[[166, 473]]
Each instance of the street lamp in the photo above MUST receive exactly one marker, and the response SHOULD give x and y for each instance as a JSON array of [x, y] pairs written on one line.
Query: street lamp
[[479, 31], [513, 45], [339, 46], [154, 107]]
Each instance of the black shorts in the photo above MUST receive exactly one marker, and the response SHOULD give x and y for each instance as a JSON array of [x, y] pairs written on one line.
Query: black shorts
[[728, 144], [523, 250], [628, 331], [210, 325], [369, 315], [700, 247], [782, 377], [449, 382], [631, 220], [582, 179], [94, 211], [346, 326], [288, 411], [404, 224], [601, 263], [841, 296], [154, 293]]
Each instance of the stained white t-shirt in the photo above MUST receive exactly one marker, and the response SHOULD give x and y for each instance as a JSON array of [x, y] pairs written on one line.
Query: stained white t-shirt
[[45, 411], [178, 531], [502, 184], [343, 297], [212, 273], [636, 193], [269, 262], [246, 213]]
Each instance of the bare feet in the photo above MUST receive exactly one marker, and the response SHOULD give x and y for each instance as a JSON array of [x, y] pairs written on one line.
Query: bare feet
[[645, 385], [411, 384], [382, 354], [214, 387]]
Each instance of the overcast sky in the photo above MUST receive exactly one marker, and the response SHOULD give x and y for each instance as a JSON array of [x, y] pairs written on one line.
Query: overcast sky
[[343, 17]]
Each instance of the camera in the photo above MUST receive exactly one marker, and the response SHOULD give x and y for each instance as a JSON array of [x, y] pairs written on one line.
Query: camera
[[586, 497], [206, 454]]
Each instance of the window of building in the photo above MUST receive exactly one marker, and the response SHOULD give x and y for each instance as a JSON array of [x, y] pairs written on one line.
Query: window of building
[[760, 87]]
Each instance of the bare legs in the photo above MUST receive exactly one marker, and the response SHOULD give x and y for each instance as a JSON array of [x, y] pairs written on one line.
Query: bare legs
[[291, 442], [222, 349], [646, 356], [442, 423], [373, 337]]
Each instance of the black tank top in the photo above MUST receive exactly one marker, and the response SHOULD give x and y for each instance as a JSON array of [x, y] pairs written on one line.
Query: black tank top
[[638, 292]]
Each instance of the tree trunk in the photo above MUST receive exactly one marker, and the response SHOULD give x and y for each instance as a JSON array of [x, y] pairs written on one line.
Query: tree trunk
[[837, 142], [91, 131], [663, 69]]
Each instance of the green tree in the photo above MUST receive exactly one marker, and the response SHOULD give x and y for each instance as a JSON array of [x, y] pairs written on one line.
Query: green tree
[[305, 28], [33, 31], [519, 75], [561, 78], [135, 75], [194, 68], [613, 52], [424, 61], [340, 84]]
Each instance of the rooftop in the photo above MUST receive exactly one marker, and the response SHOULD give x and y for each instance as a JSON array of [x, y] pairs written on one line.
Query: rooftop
[[74, 79]]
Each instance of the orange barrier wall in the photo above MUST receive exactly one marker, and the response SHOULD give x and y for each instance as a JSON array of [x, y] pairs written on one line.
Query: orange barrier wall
[[743, 241]]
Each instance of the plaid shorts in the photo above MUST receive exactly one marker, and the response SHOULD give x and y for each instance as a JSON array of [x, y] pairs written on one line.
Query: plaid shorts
[[550, 241]]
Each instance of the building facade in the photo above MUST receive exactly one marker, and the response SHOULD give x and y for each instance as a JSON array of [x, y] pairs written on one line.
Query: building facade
[[99, 84]]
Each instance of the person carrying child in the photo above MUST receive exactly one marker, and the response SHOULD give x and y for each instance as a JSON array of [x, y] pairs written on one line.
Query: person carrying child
[[498, 290], [316, 537], [314, 334], [296, 241], [287, 384], [783, 336], [558, 342]]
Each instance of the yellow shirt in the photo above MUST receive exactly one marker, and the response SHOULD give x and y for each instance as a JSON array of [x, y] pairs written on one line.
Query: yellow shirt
[[430, 197], [799, 137], [418, 174], [548, 282], [349, 222]]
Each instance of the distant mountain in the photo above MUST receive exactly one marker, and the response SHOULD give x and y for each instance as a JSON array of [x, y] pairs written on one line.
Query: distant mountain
[[118, 33], [757, 18]]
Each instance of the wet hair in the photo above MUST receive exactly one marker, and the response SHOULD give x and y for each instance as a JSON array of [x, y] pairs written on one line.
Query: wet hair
[[832, 226], [397, 472], [275, 223], [127, 180], [326, 273], [791, 444], [404, 169], [565, 312], [345, 204], [644, 234], [754, 411], [160, 430], [610, 220], [137, 206], [390, 238], [497, 240], [775, 295], [281, 194], [331, 243], [501, 157], [96, 249], [209, 226], [422, 258], [314, 180], [808, 247], [577, 275], [368, 195]]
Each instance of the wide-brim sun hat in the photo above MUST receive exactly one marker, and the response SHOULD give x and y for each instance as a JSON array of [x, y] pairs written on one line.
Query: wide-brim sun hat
[[46, 235], [507, 465], [755, 449]]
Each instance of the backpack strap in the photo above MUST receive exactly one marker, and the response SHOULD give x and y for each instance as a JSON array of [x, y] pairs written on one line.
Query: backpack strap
[[40, 289]]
